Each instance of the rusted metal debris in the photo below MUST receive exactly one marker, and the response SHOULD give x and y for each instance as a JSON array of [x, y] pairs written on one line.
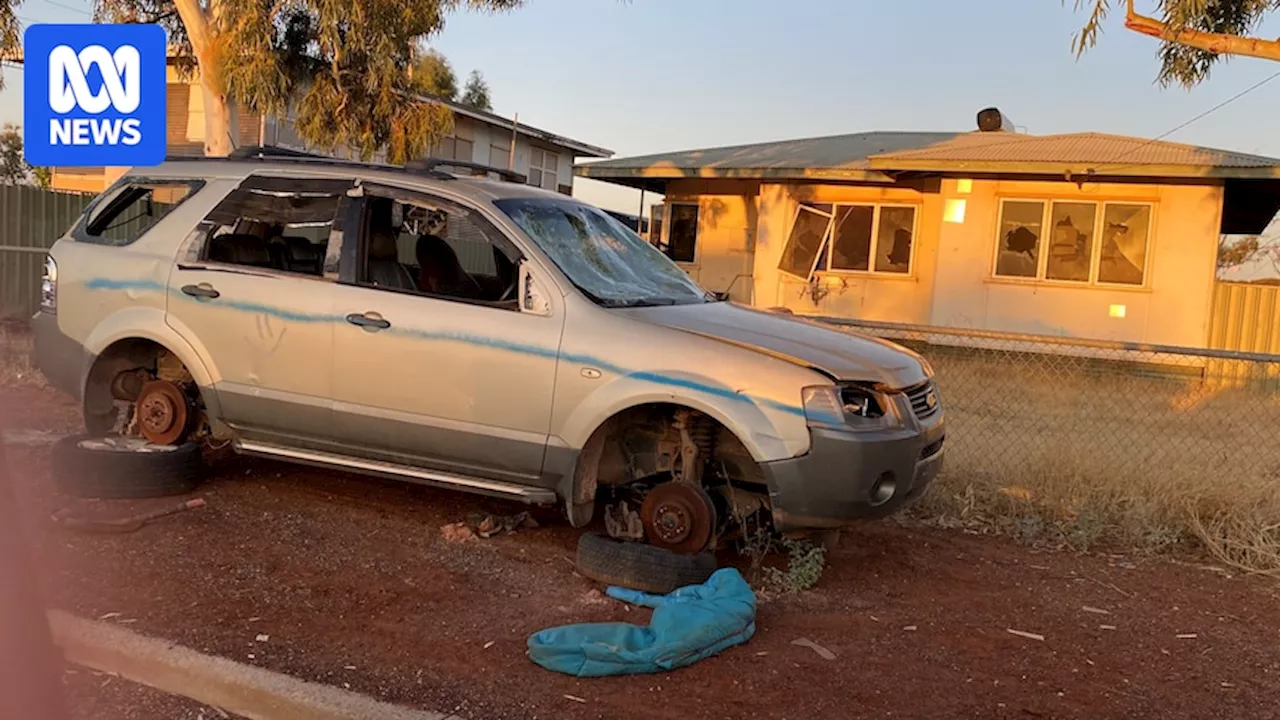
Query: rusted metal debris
[[622, 522], [488, 525], [67, 518]]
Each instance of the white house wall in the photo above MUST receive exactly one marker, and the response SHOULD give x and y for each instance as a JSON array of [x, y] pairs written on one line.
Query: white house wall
[[1173, 307], [868, 296]]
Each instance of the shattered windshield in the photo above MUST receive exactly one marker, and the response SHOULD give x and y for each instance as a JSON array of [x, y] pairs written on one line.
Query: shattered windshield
[[601, 256]]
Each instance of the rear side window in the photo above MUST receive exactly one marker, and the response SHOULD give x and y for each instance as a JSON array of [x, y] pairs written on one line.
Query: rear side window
[[274, 223], [128, 212]]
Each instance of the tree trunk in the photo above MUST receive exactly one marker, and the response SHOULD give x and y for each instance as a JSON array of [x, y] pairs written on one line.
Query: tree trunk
[[220, 118], [219, 112]]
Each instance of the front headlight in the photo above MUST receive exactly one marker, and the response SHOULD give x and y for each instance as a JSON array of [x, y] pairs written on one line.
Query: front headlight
[[49, 286], [847, 407], [822, 406]]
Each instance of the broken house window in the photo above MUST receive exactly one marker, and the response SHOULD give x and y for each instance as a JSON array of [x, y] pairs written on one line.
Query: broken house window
[[852, 247], [1123, 256], [1070, 241], [1079, 241], [436, 248], [1020, 229], [895, 234], [275, 224], [860, 238], [682, 232], [132, 210], [806, 241]]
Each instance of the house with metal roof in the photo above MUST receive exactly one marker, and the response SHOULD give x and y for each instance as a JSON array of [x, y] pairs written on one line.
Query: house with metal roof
[[1081, 235], [545, 159]]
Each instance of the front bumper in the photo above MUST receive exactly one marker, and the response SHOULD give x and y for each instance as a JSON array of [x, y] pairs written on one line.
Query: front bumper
[[60, 358], [848, 476]]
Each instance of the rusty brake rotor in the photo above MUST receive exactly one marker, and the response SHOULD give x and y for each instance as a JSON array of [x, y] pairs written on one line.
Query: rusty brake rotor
[[678, 517], [162, 412]]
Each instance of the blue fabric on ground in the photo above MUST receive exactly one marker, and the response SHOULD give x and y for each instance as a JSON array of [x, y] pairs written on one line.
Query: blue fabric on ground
[[689, 624]]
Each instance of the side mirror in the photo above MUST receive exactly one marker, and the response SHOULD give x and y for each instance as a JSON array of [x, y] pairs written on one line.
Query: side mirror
[[533, 297], [720, 295]]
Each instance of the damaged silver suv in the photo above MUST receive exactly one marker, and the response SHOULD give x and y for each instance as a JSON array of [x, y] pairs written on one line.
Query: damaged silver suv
[[471, 332]]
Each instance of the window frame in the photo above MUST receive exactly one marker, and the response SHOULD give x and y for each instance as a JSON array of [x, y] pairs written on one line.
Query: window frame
[[665, 239], [817, 257], [542, 168], [822, 263], [353, 262], [197, 243], [1095, 253], [875, 240], [657, 215], [109, 198]]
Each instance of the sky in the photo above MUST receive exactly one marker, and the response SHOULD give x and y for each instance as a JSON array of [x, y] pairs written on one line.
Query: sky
[[644, 76]]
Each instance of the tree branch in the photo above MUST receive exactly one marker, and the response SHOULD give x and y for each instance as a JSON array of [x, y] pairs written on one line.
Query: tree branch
[[1217, 43]]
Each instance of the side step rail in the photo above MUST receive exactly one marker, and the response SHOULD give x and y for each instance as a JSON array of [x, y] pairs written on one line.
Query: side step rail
[[435, 478]]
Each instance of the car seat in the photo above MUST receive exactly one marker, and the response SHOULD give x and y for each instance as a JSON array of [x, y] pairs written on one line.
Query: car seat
[[385, 269], [240, 249]]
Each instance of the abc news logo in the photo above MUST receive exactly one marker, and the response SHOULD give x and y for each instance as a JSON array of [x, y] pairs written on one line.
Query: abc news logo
[[121, 90], [94, 95]]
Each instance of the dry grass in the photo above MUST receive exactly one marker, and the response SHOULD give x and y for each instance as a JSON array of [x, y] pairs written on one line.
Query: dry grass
[[16, 364], [1073, 451]]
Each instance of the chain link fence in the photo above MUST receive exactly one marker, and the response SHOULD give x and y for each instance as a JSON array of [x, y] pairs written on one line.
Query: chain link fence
[[1159, 443]]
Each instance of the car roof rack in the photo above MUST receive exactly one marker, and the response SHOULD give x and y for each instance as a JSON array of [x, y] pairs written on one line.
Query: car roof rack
[[247, 152], [431, 167], [475, 169]]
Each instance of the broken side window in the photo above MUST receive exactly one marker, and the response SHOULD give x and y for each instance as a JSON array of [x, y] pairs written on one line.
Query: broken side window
[[421, 244], [129, 212], [274, 223]]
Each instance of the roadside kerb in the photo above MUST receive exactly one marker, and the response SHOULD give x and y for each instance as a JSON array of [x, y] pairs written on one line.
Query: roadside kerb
[[247, 690]]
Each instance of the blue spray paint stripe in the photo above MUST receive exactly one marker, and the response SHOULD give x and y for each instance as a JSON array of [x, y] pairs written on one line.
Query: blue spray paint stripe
[[458, 337], [108, 284]]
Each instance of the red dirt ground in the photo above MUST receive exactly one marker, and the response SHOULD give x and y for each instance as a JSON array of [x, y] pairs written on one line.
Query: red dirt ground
[[351, 581]]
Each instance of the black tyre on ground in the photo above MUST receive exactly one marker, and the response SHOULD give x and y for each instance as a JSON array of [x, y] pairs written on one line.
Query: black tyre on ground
[[639, 566], [124, 468]]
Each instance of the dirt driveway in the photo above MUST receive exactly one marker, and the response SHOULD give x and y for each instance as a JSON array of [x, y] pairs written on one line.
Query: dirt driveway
[[352, 584]]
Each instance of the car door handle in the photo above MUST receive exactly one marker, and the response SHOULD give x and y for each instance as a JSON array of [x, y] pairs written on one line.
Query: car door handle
[[368, 320], [203, 290]]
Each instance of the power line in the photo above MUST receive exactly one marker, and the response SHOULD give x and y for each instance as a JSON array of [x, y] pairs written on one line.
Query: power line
[[72, 8], [1195, 119]]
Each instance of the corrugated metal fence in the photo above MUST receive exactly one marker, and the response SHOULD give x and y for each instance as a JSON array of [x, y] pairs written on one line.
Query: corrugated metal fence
[[31, 219], [1246, 318]]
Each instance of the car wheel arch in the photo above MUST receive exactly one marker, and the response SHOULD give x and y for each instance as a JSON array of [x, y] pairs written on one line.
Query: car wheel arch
[[136, 349], [580, 484]]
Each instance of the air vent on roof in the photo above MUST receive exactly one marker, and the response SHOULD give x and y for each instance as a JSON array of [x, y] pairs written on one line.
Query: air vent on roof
[[992, 120]]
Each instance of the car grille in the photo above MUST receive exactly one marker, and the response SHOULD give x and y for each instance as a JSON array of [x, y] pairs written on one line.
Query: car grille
[[924, 400]]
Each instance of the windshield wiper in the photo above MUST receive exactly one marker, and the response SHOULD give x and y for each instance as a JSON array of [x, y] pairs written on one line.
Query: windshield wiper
[[640, 302]]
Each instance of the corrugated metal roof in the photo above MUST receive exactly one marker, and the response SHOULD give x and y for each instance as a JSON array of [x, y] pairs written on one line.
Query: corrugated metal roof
[[808, 157], [1089, 148], [873, 156]]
